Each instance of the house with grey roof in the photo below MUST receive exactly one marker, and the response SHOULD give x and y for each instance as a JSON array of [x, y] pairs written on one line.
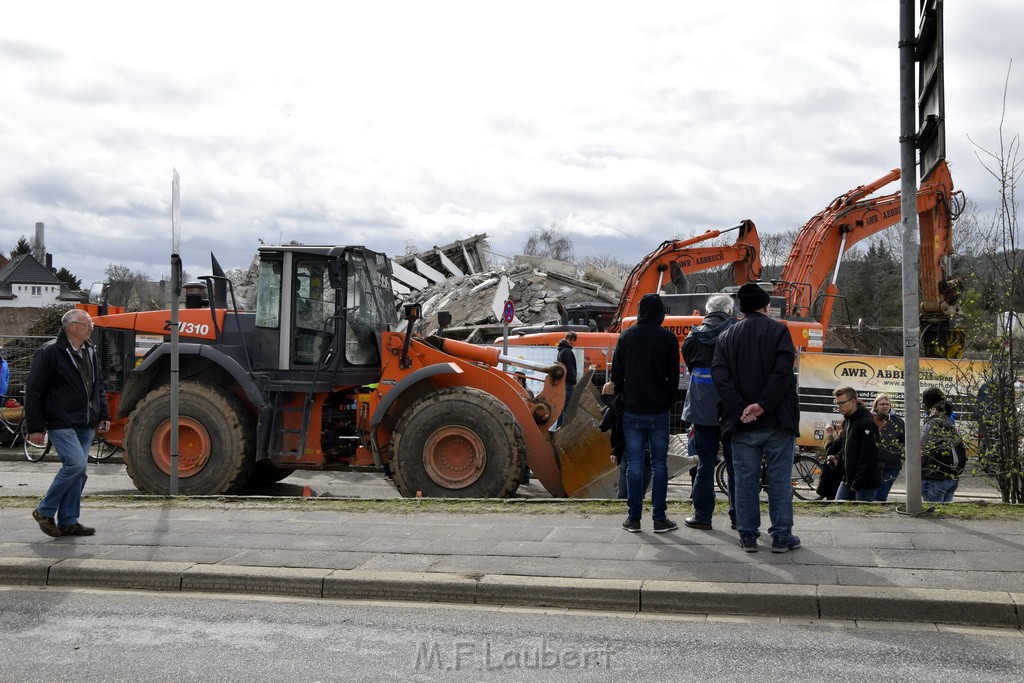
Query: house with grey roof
[[25, 282]]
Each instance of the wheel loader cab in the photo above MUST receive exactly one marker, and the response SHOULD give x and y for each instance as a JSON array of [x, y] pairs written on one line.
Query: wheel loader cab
[[321, 309]]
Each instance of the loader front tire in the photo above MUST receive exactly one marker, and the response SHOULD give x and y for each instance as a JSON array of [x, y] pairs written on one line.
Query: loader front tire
[[215, 441], [458, 443]]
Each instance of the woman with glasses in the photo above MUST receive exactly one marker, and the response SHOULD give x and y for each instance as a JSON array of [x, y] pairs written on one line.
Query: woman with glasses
[[891, 436]]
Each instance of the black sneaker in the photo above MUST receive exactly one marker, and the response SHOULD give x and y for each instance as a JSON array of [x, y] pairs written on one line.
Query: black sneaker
[[748, 542], [46, 524], [631, 525], [663, 525], [783, 544]]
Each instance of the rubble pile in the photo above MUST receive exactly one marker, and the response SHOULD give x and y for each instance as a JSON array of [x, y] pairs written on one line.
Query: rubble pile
[[536, 287]]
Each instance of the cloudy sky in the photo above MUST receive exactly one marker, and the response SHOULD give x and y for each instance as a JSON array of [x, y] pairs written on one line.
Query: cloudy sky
[[390, 123]]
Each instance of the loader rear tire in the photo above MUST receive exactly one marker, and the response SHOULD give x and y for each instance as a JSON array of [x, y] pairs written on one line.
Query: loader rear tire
[[215, 441], [458, 443]]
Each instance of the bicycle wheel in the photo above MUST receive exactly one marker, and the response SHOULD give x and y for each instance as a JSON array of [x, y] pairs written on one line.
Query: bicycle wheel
[[33, 452], [102, 450], [722, 478], [806, 475]]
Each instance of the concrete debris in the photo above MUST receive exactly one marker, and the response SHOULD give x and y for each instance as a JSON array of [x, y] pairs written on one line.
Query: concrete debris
[[535, 292]]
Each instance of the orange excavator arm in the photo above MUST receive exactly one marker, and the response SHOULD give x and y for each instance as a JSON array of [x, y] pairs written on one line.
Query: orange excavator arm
[[674, 259], [854, 216]]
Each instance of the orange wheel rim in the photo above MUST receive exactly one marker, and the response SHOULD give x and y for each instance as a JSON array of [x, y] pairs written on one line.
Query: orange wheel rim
[[193, 447], [454, 457]]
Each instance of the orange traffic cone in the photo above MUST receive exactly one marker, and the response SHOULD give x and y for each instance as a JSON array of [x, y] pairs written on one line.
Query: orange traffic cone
[[307, 492]]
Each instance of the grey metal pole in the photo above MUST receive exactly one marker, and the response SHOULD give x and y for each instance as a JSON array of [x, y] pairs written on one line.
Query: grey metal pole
[[911, 254], [175, 293]]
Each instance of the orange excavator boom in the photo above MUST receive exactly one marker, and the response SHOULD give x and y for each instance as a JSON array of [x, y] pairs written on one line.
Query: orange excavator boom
[[674, 259], [811, 270]]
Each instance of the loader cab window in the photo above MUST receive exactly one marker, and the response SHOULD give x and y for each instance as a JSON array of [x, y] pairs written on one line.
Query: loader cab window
[[268, 295], [314, 308], [369, 306]]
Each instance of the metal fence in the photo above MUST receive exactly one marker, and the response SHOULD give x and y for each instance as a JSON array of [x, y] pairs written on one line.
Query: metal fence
[[18, 352]]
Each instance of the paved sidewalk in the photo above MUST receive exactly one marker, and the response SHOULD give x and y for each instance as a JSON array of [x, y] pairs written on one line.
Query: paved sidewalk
[[887, 567]]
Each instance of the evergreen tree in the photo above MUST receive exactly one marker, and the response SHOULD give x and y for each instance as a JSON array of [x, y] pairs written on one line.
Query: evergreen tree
[[22, 247], [68, 278]]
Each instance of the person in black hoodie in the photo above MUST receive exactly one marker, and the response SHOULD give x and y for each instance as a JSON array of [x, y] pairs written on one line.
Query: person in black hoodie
[[64, 394], [858, 446], [753, 373], [702, 409], [567, 358], [645, 372]]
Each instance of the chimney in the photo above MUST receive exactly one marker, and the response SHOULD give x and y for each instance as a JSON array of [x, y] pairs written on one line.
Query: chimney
[[39, 245]]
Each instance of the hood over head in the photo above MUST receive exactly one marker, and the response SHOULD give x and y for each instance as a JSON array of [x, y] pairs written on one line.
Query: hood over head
[[651, 310]]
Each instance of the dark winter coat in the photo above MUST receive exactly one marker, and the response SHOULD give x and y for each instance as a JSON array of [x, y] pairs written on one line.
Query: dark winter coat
[[858, 447], [939, 441], [567, 358], [753, 363], [645, 367], [702, 400], [891, 437], [55, 392]]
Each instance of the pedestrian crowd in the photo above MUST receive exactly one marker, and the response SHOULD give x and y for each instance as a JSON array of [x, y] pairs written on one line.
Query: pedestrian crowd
[[741, 407]]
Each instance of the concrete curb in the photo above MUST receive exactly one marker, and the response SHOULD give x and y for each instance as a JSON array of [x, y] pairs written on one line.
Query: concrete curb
[[761, 599], [864, 603], [970, 607], [164, 576]]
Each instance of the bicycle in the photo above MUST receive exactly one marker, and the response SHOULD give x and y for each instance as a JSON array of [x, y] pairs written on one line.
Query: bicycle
[[805, 478], [12, 420], [102, 450]]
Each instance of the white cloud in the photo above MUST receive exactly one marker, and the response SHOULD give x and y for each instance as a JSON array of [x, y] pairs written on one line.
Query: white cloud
[[383, 123]]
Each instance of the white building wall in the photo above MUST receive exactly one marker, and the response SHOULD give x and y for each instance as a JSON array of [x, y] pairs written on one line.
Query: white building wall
[[32, 296]]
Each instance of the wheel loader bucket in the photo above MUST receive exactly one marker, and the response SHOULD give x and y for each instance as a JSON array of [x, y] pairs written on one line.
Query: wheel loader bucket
[[583, 449]]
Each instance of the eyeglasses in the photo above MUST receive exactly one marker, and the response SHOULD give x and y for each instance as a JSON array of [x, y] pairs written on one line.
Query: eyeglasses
[[89, 324], [842, 403]]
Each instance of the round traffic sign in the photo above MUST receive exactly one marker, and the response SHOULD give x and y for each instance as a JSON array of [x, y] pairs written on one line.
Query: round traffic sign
[[509, 312]]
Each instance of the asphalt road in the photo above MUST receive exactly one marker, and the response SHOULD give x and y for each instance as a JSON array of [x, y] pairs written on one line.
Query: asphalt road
[[21, 477], [91, 635]]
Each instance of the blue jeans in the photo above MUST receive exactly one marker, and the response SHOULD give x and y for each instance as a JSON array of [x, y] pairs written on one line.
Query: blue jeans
[[642, 432], [938, 490], [63, 499], [888, 478], [865, 495], [777, 447], [623, 486], [705, 444]]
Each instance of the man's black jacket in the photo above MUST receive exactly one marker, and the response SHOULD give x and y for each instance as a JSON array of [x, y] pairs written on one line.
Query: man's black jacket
[[754, 364], [858, 444], [55, 393]]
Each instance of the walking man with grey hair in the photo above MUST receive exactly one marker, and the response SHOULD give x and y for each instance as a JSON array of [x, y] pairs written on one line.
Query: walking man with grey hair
[[702, 409], [64, 394], [753, 373]]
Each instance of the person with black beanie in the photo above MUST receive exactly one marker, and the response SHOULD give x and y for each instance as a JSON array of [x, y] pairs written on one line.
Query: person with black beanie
[[753, 373]]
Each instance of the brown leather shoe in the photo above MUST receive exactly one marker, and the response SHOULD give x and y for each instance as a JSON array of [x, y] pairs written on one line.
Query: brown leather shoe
[[46, 523], [77, 530]]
